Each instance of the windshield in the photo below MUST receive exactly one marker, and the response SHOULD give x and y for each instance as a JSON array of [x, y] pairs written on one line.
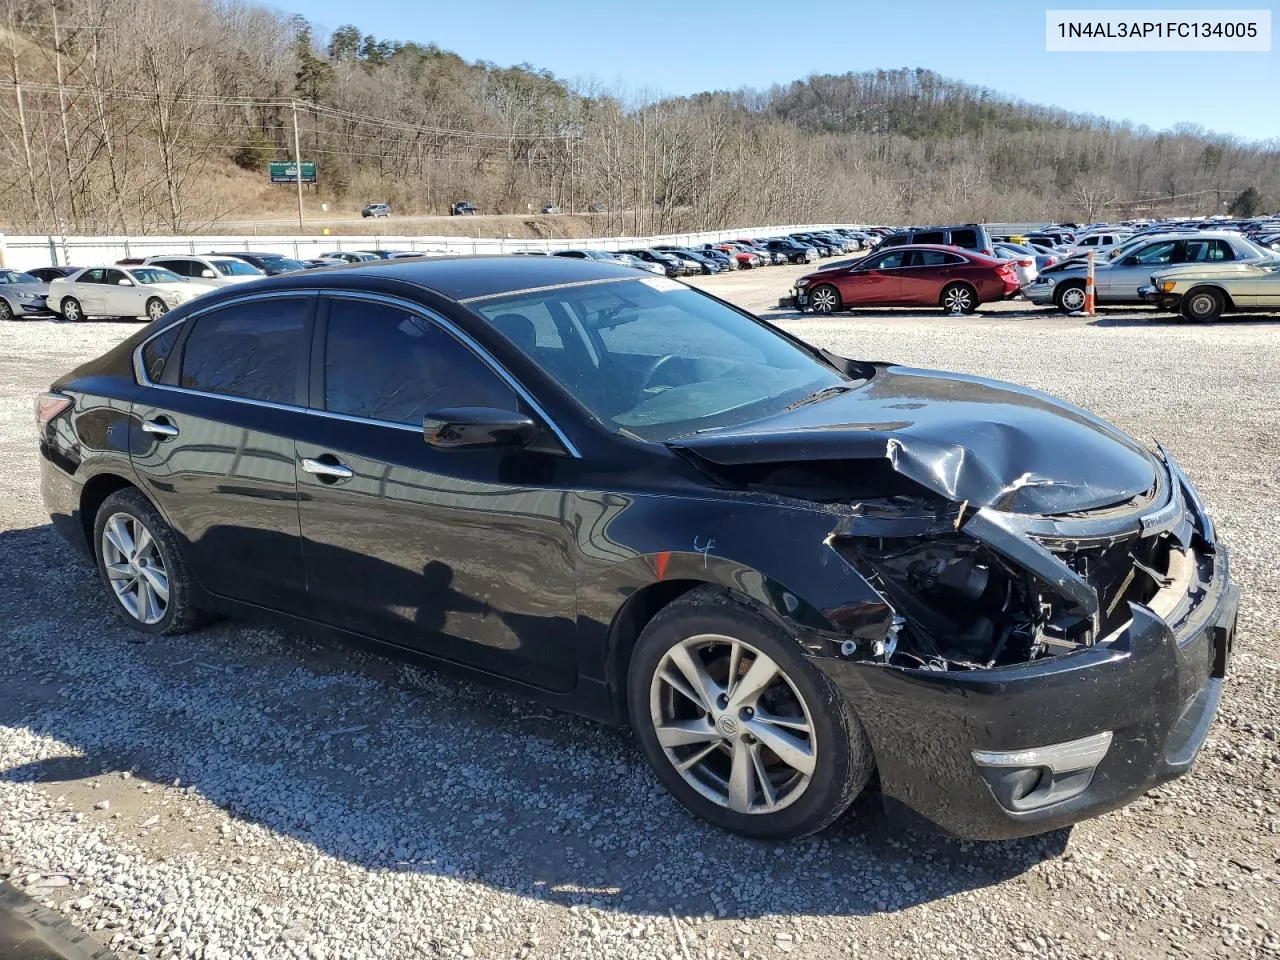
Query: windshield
[[657, 359], [235, 268], [274, 265], [12, 276], [155, 275]]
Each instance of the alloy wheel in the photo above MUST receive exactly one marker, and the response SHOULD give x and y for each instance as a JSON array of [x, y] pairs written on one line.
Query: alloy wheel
[[156, 308], [824, 300], [1202, 306], [71, 309], [732, 724], [958, 300], [1073, 299], [6, 311], [135, 568]]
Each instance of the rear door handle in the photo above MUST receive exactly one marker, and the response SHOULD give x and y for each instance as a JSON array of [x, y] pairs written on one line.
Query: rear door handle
[[327, 468], [159, 428]]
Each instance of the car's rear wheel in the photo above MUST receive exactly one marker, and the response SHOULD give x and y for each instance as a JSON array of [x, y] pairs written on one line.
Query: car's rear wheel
[[1202, 305], [156, 308], [738, 725], [142, 566], [824, 298], [1069, 297], [958, 298], [71, 310]]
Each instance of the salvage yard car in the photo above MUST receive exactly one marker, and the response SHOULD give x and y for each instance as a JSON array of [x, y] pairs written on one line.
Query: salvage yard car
[[1118, 276], [141, 291], [1206, 291], [955, 280], [620, 496], [22, 295]]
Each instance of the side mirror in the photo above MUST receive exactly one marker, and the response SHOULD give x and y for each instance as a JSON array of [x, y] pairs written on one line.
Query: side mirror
[[474, 428], [124, 282], [208, 274]]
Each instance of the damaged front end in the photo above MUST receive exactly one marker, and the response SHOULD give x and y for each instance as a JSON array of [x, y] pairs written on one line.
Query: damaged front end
[[977, 588]]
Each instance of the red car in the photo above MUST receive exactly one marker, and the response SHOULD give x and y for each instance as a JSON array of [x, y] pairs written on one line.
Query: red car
[[952, 278], [745, 259]]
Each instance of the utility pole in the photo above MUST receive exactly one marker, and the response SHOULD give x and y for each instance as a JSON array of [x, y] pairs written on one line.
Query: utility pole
[[297, 160], [62, 109]]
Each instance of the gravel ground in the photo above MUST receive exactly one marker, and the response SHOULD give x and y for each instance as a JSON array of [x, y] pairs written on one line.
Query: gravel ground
[[242, 792]]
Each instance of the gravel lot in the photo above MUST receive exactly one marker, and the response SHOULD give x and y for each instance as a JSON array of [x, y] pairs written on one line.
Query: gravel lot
[[246, 793]]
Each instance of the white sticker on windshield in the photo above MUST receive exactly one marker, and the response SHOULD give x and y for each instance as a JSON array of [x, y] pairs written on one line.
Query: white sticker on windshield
[[662, 283]]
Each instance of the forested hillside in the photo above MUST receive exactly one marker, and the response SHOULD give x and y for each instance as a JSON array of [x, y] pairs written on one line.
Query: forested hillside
[[160, 115]]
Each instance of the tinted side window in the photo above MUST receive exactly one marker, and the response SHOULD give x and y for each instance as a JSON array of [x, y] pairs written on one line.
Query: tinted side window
[[1199, 251], [385, 363], [888, 261], [92, 276], [932, 258], [251, 350], [156, 352], [929, 236], [114, 277], [965, 238], [895, 241]]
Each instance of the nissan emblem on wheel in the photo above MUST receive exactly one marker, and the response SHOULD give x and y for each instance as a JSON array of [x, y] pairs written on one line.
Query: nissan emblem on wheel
[[602, 489]]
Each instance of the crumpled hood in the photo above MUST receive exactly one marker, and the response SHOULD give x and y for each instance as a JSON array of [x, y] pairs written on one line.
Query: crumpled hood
[[965, 438]]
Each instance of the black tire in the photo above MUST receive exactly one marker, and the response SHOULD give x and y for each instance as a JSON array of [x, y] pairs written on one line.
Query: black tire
[[6, 311], [156, 308], [1202, 305], [841, 754], [71, 310], [958, 298], [179, 615], [1069, 297], [825, 299]]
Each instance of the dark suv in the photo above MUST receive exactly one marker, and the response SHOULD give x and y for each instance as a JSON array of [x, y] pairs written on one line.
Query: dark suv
[[970, 236], [462, 208]]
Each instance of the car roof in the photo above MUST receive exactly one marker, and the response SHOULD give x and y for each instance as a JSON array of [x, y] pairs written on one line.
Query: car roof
[[458, 278]]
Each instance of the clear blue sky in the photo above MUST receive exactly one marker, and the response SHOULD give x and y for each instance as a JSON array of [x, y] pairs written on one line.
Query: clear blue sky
[[689, 46]]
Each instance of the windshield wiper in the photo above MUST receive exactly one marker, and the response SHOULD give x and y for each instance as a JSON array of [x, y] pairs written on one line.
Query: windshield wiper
[[826, 393]]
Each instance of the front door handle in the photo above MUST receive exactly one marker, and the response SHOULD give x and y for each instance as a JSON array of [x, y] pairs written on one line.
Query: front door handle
[[159, 428], [329, 467]]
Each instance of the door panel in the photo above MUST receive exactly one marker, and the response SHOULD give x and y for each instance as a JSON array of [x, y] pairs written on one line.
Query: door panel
[[871, 287], [464, 555], [226, 484]]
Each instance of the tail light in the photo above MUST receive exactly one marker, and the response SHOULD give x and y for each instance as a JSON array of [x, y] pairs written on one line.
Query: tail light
[[1051, 261], [49, 406]]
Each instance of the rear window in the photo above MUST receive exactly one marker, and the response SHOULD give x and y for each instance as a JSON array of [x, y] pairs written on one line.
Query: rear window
[[251, 350]]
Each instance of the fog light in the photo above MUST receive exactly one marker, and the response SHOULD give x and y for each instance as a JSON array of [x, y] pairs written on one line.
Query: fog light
[[1023, 780]]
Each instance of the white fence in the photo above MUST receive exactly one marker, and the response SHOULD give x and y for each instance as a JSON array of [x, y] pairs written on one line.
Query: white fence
[[24, 253]]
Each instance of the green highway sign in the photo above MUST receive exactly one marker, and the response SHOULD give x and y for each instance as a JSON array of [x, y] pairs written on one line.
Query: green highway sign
[[286, 171]]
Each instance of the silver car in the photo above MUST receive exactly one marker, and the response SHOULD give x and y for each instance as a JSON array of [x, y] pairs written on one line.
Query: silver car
[[1118, 276], [22, 295]]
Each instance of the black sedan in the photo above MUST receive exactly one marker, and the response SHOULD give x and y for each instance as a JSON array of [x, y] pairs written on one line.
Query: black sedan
[[625, 498]]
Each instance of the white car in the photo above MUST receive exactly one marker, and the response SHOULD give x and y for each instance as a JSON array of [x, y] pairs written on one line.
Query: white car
[[1097, 242], [209, 271], [144, 291], [1023, 262]]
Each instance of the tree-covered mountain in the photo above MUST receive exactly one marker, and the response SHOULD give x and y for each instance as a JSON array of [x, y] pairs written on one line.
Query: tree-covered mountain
[[142, 115]]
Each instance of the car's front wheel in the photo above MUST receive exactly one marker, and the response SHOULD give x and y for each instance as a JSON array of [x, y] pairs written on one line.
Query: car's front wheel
[[142, 566], [71, 310], [1202, 305], [1069, 297], [738, 724], [156, 308], [6, 311], [824, 298]]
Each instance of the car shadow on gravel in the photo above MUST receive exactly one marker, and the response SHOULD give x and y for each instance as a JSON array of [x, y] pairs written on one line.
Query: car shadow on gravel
[[1172, 320], [316, 750]]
